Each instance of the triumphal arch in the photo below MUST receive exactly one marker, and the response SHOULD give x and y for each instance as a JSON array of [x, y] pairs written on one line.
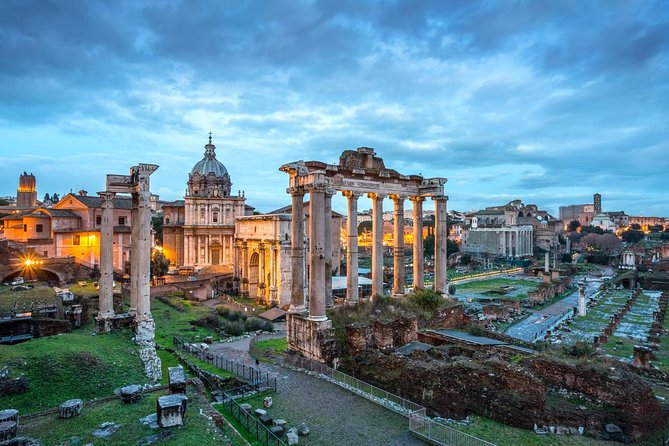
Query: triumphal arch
[[359, 172]]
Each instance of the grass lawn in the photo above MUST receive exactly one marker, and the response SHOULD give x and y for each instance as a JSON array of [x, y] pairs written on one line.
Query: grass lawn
[[41, 293], [493, 284], [73, 365], [197, 429], [276, 346], [172, 322]]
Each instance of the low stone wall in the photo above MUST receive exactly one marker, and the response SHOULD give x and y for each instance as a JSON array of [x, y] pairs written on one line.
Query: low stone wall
[[50, 327], [384, 335], [548, 290], [311, 338], [451, 317]]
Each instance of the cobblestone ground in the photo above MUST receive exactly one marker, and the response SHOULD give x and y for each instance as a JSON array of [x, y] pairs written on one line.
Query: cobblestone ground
[[334, 415]]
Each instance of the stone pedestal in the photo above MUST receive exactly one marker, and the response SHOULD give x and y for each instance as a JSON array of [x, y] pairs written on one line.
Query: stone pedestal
[[9, 415], [70, 408], [131, 393], [177, 379], [171, 410], [313, 339]]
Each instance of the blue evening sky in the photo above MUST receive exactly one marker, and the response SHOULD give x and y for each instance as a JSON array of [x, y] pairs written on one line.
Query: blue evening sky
[[544, 101]]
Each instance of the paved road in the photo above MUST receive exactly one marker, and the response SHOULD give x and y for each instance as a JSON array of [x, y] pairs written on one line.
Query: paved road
[[536, 325], [334, 415]]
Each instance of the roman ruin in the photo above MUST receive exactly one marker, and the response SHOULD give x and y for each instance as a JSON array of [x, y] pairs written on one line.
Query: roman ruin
[[359, 172]]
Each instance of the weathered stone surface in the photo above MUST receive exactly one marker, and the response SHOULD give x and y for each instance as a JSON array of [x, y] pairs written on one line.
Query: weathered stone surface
[[106, 429], [12, 386], [246, 407], [9, 415], [266, 420], [70, 408], [267, 402], [260, 412], [150, 420], [171, 410], [279, 422], [131, 393], [8, 430], [177, 379], [302, 429], [277, 430], [21, 441], [292, 437], [144, 337]]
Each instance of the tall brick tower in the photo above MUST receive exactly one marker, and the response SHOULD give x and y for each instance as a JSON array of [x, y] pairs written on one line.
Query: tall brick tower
[[26, 195], [597, 198]]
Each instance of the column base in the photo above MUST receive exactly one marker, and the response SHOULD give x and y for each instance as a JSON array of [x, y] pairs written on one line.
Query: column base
[[297, 309], [103, 323], [317, 318], [398, 295], [313, 339]]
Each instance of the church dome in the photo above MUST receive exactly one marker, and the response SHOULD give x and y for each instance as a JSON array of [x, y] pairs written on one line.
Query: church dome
[[209, 177], [209, 164]]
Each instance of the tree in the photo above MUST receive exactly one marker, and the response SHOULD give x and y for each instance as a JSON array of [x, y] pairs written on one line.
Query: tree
[[589, 241], [428, 245], [632, 236], [591, 230], [655, 228], [566, 258], [157, 225], [636, 226], [159, 264], [364, 226], [609, 244], [573, 225], [4, 202], [452, 247], [466, 259]]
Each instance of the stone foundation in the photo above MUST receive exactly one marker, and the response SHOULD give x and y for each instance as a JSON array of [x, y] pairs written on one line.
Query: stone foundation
[[144, 337], [103, 324], [313, 339]]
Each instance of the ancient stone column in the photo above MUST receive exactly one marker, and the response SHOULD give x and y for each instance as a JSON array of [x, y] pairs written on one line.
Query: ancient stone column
[[398, 246], [317, 253], [134, 252], [352, 248], [107, 256], [418, 255], [377, 243], [142, 245], [582, 308], [245, 269], [297, 252], [327, 247], [516, 234], [440, 238]]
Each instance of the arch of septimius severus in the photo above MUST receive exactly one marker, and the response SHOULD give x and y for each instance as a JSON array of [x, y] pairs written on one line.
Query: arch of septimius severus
[[359, 172]]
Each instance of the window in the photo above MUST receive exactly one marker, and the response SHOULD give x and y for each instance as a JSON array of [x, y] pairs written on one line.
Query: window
[[75, 239], [215, 217], [121, 221], [98, 220], [25, 228], [39, 228]]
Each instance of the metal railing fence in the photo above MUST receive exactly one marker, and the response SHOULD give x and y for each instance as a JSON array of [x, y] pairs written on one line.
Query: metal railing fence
[[250, 422]]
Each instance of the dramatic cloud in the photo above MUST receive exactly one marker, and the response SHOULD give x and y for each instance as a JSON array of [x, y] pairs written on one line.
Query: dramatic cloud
[[548, 102]]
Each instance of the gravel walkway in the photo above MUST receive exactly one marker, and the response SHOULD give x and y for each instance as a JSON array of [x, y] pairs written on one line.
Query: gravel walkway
[[334, 415]]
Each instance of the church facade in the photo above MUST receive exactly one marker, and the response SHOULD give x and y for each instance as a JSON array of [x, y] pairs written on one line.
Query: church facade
[[199, 230]]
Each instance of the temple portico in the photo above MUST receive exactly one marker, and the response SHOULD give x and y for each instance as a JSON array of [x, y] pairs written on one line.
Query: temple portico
[[358, 173]]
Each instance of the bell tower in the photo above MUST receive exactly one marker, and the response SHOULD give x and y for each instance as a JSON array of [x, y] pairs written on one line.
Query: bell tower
[[26, 195]]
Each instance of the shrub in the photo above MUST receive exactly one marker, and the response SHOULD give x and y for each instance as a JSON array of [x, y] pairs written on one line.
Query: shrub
[[254, 324], [476, 330], [426, 299], [223, 311], [580, 349], [234, 328]]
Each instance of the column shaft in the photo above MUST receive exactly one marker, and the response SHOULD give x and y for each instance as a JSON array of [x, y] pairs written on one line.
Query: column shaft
[[352, 248], [297, 253], [398, 246], [377, 244], [327, 248], [143, 248], [134, 251], [418, 255], [440, 238], [107, 255], [317, 254]]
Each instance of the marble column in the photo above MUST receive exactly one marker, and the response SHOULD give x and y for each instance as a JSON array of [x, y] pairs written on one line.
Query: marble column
[[107, 255], [503, 243], [440, 238], [418, 255], [398, 245], [327, 247], [134, 251], [377, 243], [352, 247], [245, 269], [317, 254], [297, 252]]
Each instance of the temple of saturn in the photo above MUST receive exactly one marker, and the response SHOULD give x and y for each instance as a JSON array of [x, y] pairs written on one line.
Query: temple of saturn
[[359, 172], [139, 314]]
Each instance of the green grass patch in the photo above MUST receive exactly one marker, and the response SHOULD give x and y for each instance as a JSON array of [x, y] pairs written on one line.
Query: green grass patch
[[40, 294], [171, 322], [277, 346], [73, 365], [481, 286], [197, 429]]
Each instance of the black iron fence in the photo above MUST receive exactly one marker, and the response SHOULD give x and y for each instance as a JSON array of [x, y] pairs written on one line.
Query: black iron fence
[[233, 400]]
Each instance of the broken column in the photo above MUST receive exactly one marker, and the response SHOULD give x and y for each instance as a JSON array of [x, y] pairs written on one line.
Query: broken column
[[581, 299], [70, 408], [177, 379], [106, 300]]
